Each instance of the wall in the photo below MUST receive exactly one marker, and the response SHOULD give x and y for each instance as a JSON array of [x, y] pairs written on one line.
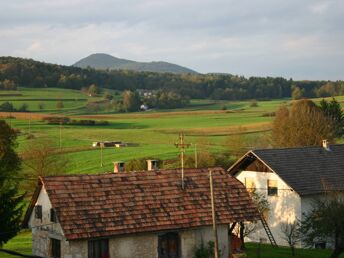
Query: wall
[[43, 230], [284, 208], [145, 245], [140, 245], [192, 239]]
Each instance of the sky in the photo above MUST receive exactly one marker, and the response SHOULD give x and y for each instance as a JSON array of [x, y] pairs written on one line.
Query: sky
[[299, 39]]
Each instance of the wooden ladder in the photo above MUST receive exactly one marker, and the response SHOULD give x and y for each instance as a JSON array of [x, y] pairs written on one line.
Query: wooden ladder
[[268, 231]]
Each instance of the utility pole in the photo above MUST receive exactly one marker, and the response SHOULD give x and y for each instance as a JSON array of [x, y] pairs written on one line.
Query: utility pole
[[182, 146], [101, 154], [29, 124], [216, 249], [196, 157], [60, 135]]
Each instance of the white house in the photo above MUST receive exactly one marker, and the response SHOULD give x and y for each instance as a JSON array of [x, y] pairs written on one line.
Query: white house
[[290, 178], [138, 214]]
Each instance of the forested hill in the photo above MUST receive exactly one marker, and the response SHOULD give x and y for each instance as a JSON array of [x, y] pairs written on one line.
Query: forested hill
[[105, 61], [18, 72]]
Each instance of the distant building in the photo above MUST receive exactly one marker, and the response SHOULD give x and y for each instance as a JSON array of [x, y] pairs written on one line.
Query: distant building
[[143, 214], [290, 178]]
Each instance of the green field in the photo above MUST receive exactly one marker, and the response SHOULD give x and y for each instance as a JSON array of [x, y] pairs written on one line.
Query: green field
[[205, 123], [209, 124]]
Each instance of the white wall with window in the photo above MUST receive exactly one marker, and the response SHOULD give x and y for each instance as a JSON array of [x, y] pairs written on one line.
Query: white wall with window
[[284, 202]]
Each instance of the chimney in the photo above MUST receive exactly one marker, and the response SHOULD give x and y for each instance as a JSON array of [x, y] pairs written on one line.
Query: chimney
[[118, 167], [326, 145], [152, 164]]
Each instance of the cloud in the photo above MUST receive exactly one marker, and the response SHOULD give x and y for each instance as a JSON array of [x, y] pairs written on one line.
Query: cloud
[[299, 39]]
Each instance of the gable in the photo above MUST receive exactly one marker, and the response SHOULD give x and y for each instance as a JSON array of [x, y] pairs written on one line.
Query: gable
[[305, 169], [249, 162]]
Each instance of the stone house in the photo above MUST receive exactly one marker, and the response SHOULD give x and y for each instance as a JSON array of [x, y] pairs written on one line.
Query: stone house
[[290, 179], [139, 214]]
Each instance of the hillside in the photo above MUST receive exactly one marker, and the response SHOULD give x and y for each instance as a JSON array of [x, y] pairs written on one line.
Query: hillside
[[105, 61]]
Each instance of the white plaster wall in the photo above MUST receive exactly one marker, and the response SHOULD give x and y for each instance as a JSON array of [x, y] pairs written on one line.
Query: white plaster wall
[[284, 208]]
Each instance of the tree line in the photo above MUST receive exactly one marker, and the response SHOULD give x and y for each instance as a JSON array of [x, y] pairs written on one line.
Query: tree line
[[19, 72]]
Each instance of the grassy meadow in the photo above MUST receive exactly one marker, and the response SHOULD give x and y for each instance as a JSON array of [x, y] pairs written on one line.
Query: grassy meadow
[[210, 124], [207, 124]]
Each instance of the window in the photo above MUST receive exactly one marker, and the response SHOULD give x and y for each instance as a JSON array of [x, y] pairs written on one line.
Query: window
[[98, 248], [55, 248], [249, 183], [38, 211], [272, 188], [168, 246], [53, 215]]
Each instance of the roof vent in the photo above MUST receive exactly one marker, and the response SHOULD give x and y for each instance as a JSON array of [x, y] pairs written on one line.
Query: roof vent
[[152, 164], [326, 145], [118, 167]]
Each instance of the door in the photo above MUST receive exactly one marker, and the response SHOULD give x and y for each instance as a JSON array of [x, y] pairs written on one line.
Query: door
[[168, 245]]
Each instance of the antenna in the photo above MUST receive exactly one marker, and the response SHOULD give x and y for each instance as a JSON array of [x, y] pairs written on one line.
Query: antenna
[[181, 145]]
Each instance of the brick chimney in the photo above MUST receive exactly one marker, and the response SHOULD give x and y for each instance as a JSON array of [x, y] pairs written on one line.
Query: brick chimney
[[326, 145], [119, 167], [152, 164]]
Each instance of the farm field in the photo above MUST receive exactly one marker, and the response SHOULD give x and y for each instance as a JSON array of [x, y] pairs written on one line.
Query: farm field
[[209, 124]]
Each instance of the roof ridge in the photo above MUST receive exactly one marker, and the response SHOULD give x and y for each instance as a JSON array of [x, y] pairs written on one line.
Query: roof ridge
[[300, 147], [131, 172]]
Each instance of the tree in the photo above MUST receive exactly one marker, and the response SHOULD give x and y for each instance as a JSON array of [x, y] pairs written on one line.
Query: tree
[[333, 111], [325, 220], [11, 206], [93, 90], [41, 106], [297, 93], [303, 124], [59, 104], [43, 159], [131, 101], [291, 234], [7, 106]]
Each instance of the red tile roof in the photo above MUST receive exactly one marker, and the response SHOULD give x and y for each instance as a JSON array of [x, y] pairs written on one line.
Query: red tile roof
[[90, 206]]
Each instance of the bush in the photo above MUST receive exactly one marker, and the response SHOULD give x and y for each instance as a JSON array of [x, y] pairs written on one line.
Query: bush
[[53, 120], [65, 120], [7, 107], [269, 114], [254, 103]]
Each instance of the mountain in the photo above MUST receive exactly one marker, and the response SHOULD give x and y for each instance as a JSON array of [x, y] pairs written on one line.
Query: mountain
[[105, 61]]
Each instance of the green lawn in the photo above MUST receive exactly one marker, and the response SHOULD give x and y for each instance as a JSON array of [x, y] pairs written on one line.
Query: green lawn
[[267, 251], [22, 243]]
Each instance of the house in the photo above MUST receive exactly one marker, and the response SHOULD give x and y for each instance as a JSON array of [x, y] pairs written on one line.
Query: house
[[290, 178], [137, 214]]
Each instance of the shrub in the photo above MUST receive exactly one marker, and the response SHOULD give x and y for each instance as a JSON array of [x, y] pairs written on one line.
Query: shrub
[[56, 120]]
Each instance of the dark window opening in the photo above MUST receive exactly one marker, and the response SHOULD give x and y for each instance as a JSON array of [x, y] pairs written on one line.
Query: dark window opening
[[38, 211], [272, 188], [168, 246], [55, 248], [53, 215], [98, 248]]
